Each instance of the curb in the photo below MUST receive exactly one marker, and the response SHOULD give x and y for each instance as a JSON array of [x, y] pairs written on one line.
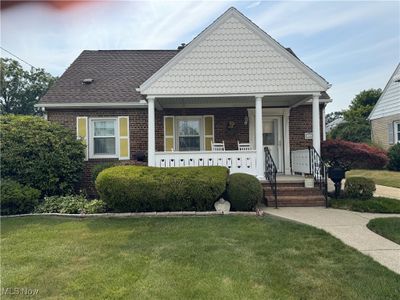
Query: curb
[[146, 214]]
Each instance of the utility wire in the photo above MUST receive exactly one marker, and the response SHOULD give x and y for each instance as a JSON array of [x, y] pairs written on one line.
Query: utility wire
[[24, 61]]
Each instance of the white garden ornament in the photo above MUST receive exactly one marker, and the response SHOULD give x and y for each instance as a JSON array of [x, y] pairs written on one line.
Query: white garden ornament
[[222, 206]]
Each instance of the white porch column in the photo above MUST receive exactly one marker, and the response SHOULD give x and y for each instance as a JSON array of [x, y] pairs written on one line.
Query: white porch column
[[259, 138], [323, 125], [286, 138], [151, 142], [315, 124]]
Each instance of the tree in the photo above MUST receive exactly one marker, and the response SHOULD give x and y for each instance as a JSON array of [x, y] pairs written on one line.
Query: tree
[[40, 154], [333, 116], [21, 89], [356, 127], [349, 155]]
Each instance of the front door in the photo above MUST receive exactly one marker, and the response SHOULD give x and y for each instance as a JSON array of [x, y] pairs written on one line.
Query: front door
[[272, 138]]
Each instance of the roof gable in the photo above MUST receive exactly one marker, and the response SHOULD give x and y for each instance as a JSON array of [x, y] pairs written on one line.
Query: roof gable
[[233, 56], [389, 102]]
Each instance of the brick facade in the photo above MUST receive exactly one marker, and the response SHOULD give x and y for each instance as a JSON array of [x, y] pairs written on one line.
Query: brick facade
[[300, 122], [379, 130]]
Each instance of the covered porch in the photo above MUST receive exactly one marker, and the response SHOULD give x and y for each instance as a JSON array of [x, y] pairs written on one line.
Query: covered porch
[[182, 130]]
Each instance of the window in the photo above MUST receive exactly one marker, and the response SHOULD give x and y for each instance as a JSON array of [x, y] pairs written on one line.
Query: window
[[103, 138], [397, 132], [189, 133]]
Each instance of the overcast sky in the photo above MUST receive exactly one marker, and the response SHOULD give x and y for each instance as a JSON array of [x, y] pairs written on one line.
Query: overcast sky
[[354, 45]]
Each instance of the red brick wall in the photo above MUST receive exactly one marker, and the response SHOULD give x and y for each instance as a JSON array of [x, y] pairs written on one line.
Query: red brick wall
[[137, 133], [300, 122]]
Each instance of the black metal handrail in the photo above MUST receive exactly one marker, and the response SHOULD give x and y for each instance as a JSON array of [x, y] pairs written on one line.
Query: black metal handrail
[[270, 173], [319, 171]]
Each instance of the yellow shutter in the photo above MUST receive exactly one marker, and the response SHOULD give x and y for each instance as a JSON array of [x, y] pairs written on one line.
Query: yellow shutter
[[82, 132], [208, 132], [123, 134], [169, 133]]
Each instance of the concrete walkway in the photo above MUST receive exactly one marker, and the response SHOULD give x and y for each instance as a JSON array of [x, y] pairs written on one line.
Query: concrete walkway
[[386, 191], [350, 227], [381, 190]]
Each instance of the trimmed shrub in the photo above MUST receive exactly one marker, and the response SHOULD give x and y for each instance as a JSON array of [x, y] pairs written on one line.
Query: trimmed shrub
[[359, 188], [17, 198], [100, 167], [72, 204], [40, 154], [244, 191], [140, 188], [349, 155], [94, 207], [394, 158]]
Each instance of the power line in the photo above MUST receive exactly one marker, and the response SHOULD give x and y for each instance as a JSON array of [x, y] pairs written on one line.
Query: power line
[[17, 57]]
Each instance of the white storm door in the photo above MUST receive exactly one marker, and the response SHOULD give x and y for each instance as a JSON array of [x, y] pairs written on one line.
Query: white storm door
[[272, 138]]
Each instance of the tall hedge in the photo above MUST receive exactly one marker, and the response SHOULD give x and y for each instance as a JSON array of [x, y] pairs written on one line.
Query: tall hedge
[[40, 154], [140, 188]]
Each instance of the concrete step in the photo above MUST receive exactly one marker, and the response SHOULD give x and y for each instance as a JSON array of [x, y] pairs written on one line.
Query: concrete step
[[284, 184], [293, 191], [295, 200]]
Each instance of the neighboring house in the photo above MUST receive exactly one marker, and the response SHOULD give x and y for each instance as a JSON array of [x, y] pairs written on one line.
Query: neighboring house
[[232, 84], [385, 117], [333, 124]]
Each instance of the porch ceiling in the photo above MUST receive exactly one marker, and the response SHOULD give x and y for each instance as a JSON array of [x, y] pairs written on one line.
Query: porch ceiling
[[245, 101]]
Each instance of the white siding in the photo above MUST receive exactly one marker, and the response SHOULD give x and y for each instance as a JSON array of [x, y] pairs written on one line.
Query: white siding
[[232, 57], [389, 102]]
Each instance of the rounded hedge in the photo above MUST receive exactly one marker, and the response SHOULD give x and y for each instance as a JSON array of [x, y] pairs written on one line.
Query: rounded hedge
[[244, 191], [40, 154], [359, 188], [394, 158], [140, 188], [17, 198]]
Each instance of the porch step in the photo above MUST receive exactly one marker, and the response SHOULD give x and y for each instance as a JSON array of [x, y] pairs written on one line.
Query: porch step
[[293, 194]]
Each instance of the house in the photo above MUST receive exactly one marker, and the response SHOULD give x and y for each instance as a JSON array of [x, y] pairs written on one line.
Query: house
[[385, 117], [233, 96], [334, 124]]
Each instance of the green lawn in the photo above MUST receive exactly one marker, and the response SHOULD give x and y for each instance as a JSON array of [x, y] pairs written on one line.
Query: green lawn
[[374, 205], [386, 227], [381, 177], [216, 257]]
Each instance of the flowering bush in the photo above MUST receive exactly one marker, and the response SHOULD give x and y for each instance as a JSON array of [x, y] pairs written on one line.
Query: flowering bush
[[349, 155]]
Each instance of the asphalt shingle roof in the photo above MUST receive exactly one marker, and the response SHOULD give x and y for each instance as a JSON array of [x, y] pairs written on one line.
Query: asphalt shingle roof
[[116, 74]]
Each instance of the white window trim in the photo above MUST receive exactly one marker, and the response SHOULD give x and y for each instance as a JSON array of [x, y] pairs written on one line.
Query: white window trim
[[183, 118], [396, 132], [91, 138]]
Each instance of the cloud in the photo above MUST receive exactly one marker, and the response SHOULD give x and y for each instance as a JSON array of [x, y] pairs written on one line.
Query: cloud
[[309, 18], [253, 4]]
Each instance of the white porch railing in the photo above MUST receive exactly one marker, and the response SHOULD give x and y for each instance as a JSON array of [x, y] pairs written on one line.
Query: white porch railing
[[301, 161], [236, 161]]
